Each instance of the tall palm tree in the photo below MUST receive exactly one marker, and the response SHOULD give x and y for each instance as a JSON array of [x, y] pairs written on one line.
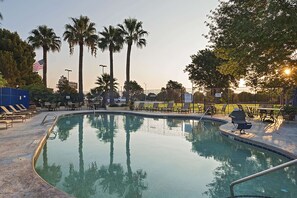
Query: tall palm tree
[[113, 41], [132, 32], [45, 38], [82, 32]]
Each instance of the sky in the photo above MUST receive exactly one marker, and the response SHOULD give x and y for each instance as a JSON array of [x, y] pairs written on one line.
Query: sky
[[175, 28]]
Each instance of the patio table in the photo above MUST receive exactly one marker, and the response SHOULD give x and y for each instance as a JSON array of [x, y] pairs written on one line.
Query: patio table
[[269, 112]]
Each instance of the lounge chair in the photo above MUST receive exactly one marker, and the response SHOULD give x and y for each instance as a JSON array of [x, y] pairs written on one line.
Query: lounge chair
[[223, 110], [6, 121], [239, 122], [140, 106], [29, 114], [13, 116], [169, 107], [185, 108], [21, 107], [155, 107]]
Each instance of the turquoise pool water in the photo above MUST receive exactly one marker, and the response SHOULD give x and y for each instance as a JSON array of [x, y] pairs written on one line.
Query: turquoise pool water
[[117, 155]]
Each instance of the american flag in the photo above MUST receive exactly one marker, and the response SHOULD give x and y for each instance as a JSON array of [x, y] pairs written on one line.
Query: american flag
[[38, 65]]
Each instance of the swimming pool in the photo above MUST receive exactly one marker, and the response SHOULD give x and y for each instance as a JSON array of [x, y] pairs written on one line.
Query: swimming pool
[[125, 155]]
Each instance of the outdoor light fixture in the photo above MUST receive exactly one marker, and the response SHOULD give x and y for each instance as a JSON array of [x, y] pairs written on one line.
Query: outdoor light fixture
[[102, 68], [68, 70]]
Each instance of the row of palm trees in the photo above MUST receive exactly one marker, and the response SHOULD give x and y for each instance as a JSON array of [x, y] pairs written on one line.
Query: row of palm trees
[[82, 32]]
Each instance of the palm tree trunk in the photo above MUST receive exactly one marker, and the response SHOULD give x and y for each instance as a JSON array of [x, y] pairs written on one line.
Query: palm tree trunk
[[80, 69], [128, 73], [44, 66], [111, 98], [111, 140], [80, 148], [129, 169]]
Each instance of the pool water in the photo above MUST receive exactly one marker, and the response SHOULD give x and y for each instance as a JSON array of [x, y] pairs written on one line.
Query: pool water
[[125, 155]]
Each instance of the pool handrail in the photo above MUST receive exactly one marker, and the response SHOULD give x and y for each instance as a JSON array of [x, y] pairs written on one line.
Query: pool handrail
[[265, 172], [49, 114]]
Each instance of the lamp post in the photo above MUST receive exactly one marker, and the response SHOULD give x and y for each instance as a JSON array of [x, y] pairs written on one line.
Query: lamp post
[[68, 70], [102, 68], [144, 91]]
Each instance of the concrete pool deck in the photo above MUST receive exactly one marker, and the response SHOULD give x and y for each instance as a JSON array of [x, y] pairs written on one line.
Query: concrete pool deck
[[19, 143]]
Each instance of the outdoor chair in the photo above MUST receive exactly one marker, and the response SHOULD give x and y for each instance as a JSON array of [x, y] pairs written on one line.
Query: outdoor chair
[[155, 107], [249, 112], [200, 109], [239, 122], [209, 109], [4, 120], [185, 108], [240, 107], [10, 115], [29, 114], [24, 109], [223, 110], [169, 107], [140, 106]]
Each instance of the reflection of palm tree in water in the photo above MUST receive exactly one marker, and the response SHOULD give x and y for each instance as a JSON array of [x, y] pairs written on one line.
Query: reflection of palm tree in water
[[134, 182], [81, 183], [236, 161], [51, 174], [112, 175]]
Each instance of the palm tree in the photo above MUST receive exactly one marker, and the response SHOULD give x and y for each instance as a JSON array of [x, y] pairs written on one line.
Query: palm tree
[[132, 32], [113, 41], [45, 38], [103, 83], [82, 32]]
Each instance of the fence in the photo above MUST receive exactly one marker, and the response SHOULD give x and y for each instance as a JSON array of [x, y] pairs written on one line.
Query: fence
[[11, 96]]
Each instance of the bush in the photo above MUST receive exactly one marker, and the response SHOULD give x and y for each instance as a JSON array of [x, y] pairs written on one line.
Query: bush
[[114, 105], [290, 110]]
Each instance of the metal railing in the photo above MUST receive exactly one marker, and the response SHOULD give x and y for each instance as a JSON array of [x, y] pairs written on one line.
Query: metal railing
[[49, 114], [204, 114], [265, 172]]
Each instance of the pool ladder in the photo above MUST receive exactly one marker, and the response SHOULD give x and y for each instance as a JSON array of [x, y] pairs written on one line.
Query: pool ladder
[[265, 172], [49, 114], [204, 114]]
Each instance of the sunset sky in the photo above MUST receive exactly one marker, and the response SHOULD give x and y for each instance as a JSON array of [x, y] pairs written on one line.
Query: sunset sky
[[175, 27]]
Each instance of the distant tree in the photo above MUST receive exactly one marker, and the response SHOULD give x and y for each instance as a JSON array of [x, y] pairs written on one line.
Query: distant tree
[[3, 82], [203, 71], [38, 93], [173, 91], [103, 88], [113, 41], [133, 33], [45, 38], [82, 32], [64, 88], [136, 91], [9, 68], [16, 60], [254, 35]]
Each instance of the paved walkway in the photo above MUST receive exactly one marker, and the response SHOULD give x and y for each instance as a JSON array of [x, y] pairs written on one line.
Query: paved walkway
[[280, 136], [19, 143]]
